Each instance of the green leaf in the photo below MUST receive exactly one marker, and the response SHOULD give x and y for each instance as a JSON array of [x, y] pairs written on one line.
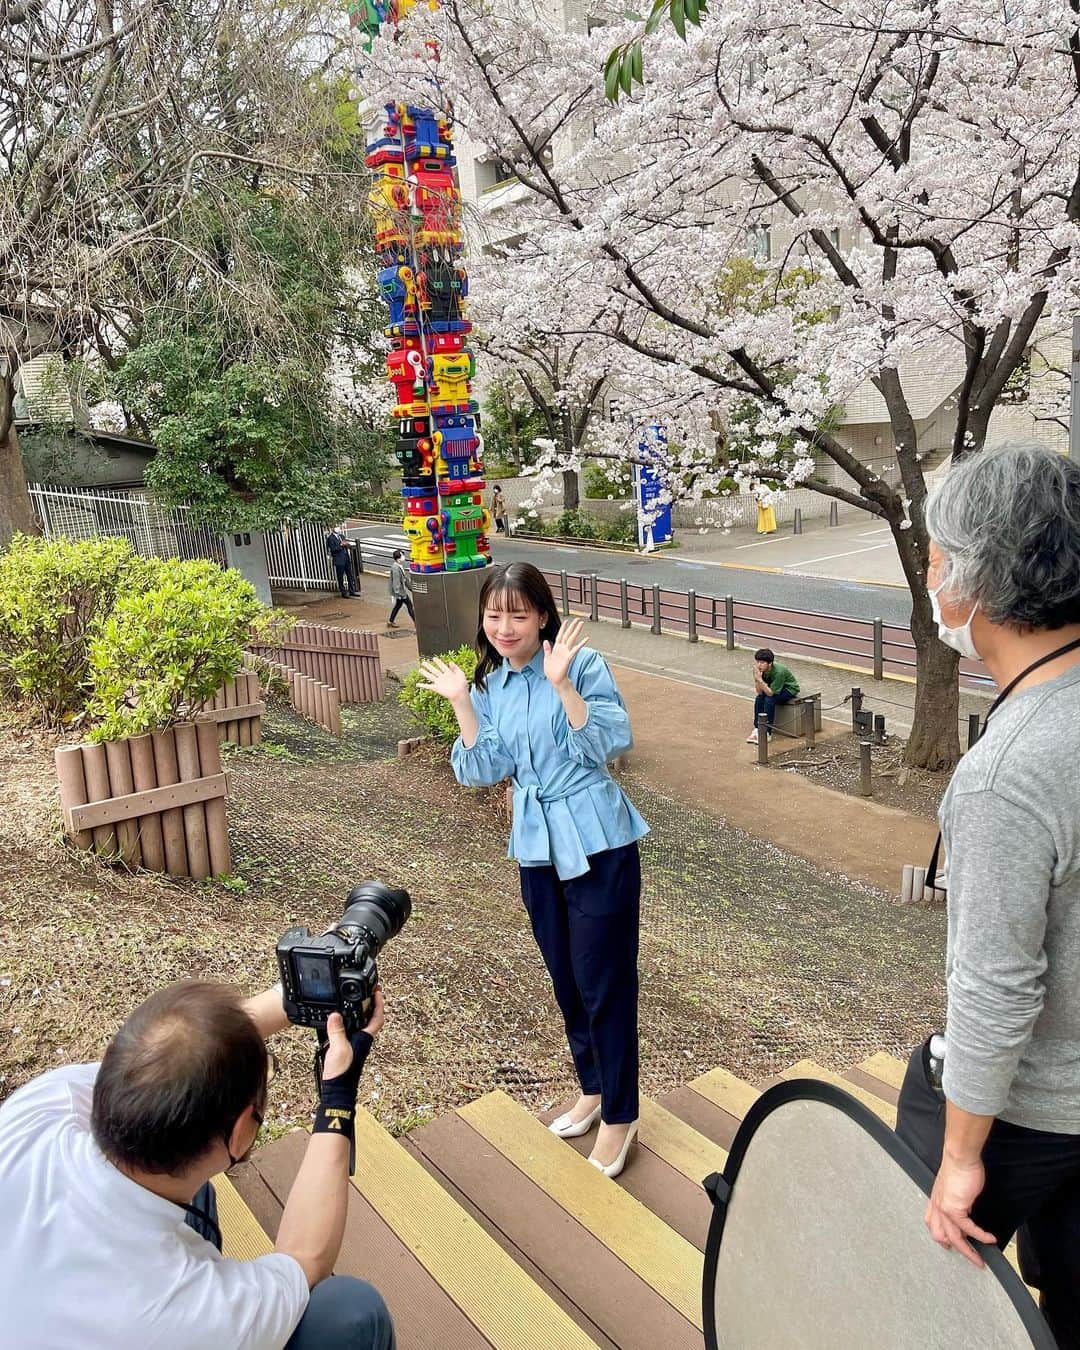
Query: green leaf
[[656, 17], [678, 17], [611, 75]]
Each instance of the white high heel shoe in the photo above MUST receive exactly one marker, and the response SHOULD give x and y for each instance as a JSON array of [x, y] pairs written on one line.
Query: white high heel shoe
[[613, 1169], [566, 1128]]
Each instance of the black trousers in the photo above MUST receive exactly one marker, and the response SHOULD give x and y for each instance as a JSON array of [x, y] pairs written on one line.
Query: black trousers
[[1032, 1190], [587, 931], [343, 1313], [400, 600]]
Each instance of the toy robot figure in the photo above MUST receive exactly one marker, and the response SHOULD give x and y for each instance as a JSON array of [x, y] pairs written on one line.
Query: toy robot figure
[[449, 379]]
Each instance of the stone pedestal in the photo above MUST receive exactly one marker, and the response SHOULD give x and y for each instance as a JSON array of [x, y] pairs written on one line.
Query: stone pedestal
[[447, 609]]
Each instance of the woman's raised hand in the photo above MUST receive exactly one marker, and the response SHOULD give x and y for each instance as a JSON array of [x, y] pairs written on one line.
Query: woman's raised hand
[[445, 678], [559, 655]]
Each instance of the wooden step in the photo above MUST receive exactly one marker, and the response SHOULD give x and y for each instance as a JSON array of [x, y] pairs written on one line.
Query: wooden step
[[492, 1290], [242, 1238], [670, 1163], [425, 1314], [663, 1259], [617, 1306], [806, 1068], [723, 1089]]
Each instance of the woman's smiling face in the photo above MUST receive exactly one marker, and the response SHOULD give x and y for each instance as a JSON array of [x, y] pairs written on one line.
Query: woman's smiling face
[[513, 627]]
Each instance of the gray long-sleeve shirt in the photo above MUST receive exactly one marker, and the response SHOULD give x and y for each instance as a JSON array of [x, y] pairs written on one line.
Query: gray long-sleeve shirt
[[1011, 824]]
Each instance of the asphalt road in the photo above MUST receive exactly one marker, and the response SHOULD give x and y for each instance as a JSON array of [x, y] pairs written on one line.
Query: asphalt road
[[824, 595]]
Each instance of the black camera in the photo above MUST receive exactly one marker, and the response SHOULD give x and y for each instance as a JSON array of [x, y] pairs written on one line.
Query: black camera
[[336, 971]]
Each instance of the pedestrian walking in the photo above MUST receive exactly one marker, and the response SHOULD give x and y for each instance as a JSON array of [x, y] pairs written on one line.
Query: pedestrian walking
[[993, 1104], [400, 589], [545, 713], [774, 683], [339, 556], [498, 510]]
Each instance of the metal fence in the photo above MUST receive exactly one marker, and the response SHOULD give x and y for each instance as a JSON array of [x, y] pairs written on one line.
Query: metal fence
[[865, 644], [153, 531]]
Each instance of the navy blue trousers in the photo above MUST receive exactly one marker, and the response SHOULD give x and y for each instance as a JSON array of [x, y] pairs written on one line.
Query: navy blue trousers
[[764, 703], [342, 1313], [587, 931]]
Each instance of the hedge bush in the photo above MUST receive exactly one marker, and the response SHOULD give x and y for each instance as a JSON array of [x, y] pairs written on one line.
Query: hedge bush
[[54, 595], [431, 710], [168, 646]]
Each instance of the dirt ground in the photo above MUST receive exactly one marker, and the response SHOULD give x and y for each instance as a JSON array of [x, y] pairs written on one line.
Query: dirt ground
[[752, 956]]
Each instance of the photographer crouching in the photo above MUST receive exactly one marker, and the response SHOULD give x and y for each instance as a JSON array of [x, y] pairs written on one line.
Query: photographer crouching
[[110, 1235], [993, 1106]]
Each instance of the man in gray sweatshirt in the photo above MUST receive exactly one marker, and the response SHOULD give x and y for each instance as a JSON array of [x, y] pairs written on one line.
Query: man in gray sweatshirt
[[996, 1112]]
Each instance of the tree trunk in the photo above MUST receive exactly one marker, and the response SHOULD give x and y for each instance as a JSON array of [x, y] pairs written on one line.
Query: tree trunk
[[934, 742], [15, 511], [571, 492]]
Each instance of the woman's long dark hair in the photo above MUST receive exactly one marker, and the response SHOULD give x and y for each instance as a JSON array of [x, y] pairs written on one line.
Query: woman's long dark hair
[[524, 582]]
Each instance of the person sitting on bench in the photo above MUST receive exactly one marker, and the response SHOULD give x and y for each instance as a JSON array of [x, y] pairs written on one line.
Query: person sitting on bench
[[774, 683]]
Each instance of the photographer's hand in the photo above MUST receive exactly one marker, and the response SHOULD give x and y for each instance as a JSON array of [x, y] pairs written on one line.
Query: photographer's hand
[[314, 1219]]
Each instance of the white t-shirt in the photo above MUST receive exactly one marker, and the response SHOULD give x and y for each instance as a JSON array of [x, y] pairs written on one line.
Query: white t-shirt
[[90, 1260]]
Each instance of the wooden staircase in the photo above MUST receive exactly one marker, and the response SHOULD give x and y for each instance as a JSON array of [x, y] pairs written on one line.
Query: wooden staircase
[[482, 1229]]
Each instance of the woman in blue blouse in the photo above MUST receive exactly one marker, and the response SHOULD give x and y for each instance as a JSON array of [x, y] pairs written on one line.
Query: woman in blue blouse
[[545, 713]]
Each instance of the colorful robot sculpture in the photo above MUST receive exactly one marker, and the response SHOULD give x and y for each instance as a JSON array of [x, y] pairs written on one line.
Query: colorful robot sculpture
[[416, 213]]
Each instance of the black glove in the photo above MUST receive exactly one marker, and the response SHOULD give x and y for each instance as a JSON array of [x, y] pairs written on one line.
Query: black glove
[[336, 1111]]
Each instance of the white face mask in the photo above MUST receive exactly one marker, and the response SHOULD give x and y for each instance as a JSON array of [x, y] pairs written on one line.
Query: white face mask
[[959, 639]]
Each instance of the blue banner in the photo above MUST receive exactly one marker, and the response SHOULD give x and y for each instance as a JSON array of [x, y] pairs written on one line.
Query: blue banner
[[650, 480]]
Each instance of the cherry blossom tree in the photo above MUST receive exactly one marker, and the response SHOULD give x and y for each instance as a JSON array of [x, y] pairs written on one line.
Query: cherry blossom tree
[[916, 161]]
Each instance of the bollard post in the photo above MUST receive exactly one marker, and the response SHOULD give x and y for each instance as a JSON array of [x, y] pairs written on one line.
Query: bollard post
[[856, 707], [624, 603], [797, 526], [865, 785], [879, 728], [594, 600], [565, 595], [973, 729], [907, 877], [729, 621], [809, 729], [691, 615], [763, 738], [656, 609], [834, 514], [879, 650]]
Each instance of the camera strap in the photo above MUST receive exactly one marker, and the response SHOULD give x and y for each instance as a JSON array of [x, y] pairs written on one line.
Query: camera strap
[[932, 867]]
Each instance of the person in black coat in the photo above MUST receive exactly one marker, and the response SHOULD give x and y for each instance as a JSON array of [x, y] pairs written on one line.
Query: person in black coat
[[339, 556]]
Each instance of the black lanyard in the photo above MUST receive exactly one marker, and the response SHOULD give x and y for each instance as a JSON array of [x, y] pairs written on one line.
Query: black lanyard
[[931, 871]]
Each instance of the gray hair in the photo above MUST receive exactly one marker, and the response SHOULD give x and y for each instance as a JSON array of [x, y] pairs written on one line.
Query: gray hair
[[1008, 522]]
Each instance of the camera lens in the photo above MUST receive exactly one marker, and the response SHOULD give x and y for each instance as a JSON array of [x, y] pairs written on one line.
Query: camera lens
[[380, 910]]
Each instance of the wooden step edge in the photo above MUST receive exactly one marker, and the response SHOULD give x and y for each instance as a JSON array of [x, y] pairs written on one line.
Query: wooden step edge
[[678, 1144], [723, 1089], [885, 1068], [496, 1295], [242, 1239], [806, 1068], [664, 1260]]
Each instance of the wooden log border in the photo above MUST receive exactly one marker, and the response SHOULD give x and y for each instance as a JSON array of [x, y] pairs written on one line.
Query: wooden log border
[[237, 708], [343, 658], [155, 801]]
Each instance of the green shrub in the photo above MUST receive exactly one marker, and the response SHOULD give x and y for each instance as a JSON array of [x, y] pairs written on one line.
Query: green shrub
[[431, 710], [606, 480], [577, 525], [167, 646], [54, 596]]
